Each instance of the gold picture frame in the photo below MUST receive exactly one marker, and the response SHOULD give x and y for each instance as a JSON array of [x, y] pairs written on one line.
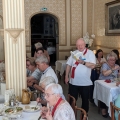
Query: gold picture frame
[[112, 18]]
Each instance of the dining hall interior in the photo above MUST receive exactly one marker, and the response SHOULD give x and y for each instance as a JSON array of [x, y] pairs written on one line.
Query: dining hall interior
[[57, 25]]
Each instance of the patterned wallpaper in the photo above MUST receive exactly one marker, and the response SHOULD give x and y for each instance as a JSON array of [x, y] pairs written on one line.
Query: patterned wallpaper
[[76, 20], [99, 26], [55, 7]]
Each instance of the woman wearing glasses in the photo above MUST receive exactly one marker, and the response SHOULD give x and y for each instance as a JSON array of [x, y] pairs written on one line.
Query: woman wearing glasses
[[109, 71], [58, 108]]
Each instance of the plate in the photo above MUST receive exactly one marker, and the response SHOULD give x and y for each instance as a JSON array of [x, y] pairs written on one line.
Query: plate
[[31, 108], [14, 111]]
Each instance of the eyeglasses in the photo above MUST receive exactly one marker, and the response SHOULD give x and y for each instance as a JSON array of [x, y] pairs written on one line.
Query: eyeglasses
[[48, 95], [112, 59]]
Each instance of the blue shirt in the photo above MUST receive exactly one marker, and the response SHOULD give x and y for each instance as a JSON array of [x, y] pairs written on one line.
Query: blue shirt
[[104, 67]]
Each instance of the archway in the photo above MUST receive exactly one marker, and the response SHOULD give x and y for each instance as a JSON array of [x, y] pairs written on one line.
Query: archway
[[44, 29]]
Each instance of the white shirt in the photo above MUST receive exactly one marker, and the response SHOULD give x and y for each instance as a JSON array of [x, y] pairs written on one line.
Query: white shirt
[[82, 73], [49, 72]]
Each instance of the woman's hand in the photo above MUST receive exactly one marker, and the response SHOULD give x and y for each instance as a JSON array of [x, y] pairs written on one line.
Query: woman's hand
[[49, 115], [117, 67], [44, 111], [117, 84]]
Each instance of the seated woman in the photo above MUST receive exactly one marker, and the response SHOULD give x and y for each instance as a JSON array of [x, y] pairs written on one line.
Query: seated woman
[[34, 74], [109, 70], [96, 71], [39, 45], [61, 110], [43, 83], [118, 58]]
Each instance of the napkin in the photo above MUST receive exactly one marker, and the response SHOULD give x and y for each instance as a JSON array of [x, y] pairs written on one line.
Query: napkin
[[108, 81]]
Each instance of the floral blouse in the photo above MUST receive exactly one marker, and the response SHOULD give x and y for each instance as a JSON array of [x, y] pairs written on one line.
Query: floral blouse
[[64, 112]]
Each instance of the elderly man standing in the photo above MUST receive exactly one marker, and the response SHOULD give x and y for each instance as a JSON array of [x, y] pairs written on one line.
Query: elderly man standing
[[80, 71]]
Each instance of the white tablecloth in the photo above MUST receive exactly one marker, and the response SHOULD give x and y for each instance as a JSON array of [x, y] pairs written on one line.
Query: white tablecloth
[[105, 92], [60, 66], [29, 116]]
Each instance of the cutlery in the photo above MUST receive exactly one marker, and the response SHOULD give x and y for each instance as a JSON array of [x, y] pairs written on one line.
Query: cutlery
[[39, 117], [36, 106]]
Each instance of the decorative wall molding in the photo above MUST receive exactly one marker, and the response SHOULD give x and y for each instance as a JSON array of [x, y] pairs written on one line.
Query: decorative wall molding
[[14, 32]]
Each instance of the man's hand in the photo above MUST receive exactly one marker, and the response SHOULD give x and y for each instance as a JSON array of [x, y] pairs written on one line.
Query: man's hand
[[80, 61], [66, 80]]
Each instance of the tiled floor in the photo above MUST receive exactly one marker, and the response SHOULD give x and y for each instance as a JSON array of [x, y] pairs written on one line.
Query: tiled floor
[[93, 110]]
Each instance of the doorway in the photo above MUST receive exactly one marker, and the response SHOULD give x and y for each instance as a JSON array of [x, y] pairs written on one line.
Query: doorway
[[44, 29]]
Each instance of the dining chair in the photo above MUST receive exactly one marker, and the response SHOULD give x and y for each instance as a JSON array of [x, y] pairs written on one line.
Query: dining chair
[[72, 102], [113, 109]]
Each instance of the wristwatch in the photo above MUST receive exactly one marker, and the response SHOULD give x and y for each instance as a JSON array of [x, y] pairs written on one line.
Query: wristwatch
[[84, 63]]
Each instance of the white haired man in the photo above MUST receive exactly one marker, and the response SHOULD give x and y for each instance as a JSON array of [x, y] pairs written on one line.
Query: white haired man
[[61, 109], [43, 65], [80, 72]]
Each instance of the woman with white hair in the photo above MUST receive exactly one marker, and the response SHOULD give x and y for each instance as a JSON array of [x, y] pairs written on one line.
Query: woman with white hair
[[43, 83], [109, 70], [61, 109]]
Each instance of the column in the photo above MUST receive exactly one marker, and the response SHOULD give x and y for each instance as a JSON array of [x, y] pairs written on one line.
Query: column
[[14, 39]]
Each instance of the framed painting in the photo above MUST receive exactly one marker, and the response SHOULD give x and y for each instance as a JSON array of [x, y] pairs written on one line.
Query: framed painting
[[112, 18]]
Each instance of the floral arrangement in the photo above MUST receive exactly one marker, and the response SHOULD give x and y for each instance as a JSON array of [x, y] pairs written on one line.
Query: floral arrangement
[[87, 39]]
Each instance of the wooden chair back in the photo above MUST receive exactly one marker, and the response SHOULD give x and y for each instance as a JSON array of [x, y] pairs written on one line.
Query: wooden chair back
[[72, 102], [113, 109], [83, 114]]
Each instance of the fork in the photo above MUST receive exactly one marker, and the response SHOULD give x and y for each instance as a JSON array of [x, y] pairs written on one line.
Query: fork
[[36, 105]]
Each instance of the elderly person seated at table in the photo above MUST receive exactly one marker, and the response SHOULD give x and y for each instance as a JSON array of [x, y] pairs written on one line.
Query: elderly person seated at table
[[43, 83], [109, 70], [61, 109], [34, 73], [43, 65]]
